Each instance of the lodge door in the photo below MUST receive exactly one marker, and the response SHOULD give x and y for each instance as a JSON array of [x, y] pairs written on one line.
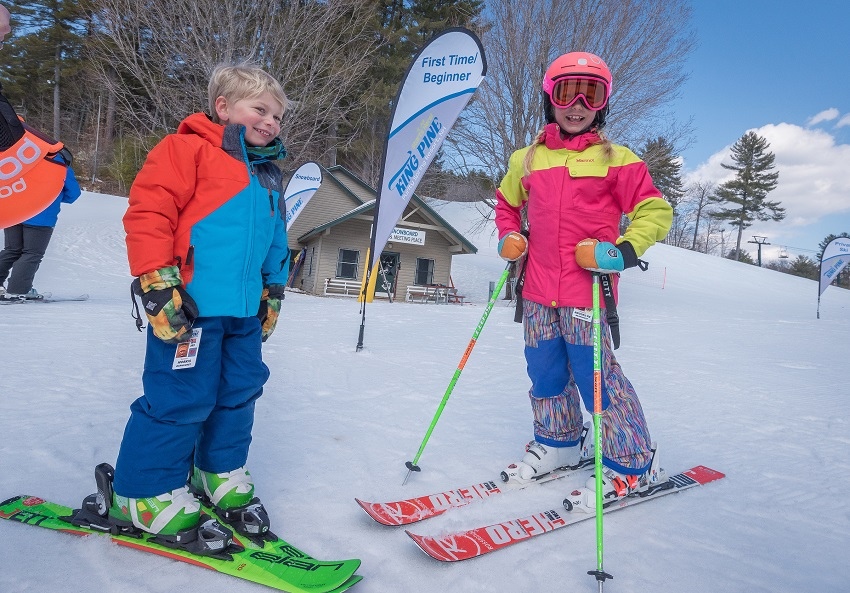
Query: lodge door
[[387, 274]]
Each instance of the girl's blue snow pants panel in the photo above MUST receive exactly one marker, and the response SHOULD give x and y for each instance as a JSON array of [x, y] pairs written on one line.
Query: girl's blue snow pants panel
[[559, 353], [201, 415]]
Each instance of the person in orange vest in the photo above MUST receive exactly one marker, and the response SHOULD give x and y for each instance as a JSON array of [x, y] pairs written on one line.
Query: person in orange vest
[[26, 243]]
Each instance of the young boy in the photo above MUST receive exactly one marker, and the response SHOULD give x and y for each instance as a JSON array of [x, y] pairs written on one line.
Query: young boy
[[207, 240]]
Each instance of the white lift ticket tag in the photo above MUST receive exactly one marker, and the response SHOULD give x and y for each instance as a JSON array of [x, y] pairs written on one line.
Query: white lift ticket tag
[[187, 352], [583, 314]]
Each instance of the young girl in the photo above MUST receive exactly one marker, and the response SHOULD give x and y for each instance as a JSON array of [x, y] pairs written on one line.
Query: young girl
[[575, 185]]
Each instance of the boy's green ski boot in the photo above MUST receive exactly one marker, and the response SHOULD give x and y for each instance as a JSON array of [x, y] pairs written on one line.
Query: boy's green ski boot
[[231, 495], [173, 518], [166, 514]]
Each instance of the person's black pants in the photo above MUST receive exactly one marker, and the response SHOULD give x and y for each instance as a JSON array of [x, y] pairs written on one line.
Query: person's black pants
[[23, 251]]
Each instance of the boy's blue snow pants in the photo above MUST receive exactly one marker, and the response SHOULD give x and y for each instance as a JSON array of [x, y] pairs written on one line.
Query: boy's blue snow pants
[[201, 415]]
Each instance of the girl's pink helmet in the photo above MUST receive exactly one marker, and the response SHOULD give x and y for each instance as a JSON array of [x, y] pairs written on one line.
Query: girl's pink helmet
[[577, 63]]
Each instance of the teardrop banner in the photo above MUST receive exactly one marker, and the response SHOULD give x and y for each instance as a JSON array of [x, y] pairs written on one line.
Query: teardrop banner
[[836, 255], [438, 84], [301, 187]]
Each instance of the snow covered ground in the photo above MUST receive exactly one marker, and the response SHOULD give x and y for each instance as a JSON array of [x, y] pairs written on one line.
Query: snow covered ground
[[733, 369]]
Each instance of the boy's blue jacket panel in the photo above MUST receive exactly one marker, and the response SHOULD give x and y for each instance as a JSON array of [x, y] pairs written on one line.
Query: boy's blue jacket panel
[[203, 204]]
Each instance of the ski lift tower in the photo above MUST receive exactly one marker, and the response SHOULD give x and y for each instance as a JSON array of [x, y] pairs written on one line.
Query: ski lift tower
[[759, 241]]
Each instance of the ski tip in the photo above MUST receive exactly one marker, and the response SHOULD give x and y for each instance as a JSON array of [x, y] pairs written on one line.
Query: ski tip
[[704, 475], [424, 543], [366, 506], [372, 511], [363, 504]]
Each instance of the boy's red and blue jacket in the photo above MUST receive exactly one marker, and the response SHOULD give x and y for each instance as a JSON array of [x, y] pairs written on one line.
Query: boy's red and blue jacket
[[574, 191], [208, 204]]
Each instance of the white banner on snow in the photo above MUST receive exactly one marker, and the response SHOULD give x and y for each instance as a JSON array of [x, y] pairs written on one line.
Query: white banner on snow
[[438, 85], [836, 255], [302, 185]]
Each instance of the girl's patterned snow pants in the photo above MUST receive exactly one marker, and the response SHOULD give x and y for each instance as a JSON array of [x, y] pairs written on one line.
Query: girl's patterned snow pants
[[559, 353]]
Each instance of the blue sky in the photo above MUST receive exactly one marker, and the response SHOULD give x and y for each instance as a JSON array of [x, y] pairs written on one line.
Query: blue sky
[[782, 69]]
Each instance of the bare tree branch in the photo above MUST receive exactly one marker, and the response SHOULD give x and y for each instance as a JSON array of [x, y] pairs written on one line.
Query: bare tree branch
[[164, 52], [644, 42]]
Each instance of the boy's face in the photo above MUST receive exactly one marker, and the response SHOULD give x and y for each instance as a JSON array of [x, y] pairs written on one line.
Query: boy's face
[[260, 115]]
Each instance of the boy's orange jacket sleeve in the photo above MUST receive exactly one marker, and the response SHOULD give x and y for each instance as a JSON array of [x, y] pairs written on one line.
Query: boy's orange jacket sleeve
[[165, 183]]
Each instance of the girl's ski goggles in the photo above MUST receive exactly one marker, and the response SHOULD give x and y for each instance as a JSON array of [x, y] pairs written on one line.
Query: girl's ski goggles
[[566, 91]]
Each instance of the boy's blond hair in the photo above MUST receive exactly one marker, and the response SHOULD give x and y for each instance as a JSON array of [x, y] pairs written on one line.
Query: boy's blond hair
[[242, 81]]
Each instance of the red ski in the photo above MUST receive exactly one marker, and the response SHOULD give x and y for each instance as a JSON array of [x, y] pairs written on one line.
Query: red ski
[[411, 510], [483, 540]]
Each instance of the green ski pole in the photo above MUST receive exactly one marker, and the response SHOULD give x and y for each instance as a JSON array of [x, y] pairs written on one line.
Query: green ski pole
[[599, 573], [411, 465]]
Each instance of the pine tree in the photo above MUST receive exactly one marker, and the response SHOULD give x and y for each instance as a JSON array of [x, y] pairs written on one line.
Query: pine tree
[[745, 195], [665, 168], [47, 50], [741, 256], [804, 267]]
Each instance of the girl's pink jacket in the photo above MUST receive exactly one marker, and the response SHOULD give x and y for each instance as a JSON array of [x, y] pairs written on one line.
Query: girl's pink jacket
[[574, 192]]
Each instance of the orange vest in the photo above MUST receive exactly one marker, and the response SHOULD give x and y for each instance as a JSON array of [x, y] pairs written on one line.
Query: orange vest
[[29, 179]]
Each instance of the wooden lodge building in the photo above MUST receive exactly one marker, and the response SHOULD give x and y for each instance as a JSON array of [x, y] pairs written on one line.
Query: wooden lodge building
[[330, 238]]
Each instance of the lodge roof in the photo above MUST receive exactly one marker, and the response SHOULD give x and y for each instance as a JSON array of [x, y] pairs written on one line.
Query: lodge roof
[[337, 172]]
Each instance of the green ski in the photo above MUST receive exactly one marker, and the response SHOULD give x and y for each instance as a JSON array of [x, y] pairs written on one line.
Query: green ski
[[277, 564]]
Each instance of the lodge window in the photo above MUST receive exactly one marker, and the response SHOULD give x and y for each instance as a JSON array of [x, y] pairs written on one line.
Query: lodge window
[[347, 264], [424, 271]]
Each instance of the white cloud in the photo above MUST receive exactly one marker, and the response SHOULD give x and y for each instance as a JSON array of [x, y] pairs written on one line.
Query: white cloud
[[711, 169], [844, 121], [825, 115], [814, 178]]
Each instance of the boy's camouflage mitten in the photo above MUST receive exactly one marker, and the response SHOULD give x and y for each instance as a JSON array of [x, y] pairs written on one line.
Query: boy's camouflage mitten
[[270, 308], [170, 310]]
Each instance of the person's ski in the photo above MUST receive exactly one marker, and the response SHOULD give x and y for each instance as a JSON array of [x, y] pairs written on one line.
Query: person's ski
[[418, 508], [277, 564], [483, 540], [45, 298]]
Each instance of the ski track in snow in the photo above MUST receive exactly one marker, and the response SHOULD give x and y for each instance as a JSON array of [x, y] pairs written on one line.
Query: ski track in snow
[[732, 367]]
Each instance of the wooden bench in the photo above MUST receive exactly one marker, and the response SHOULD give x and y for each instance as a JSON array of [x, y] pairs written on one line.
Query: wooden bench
[[340, 287], [454, 297], [424, 294]]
